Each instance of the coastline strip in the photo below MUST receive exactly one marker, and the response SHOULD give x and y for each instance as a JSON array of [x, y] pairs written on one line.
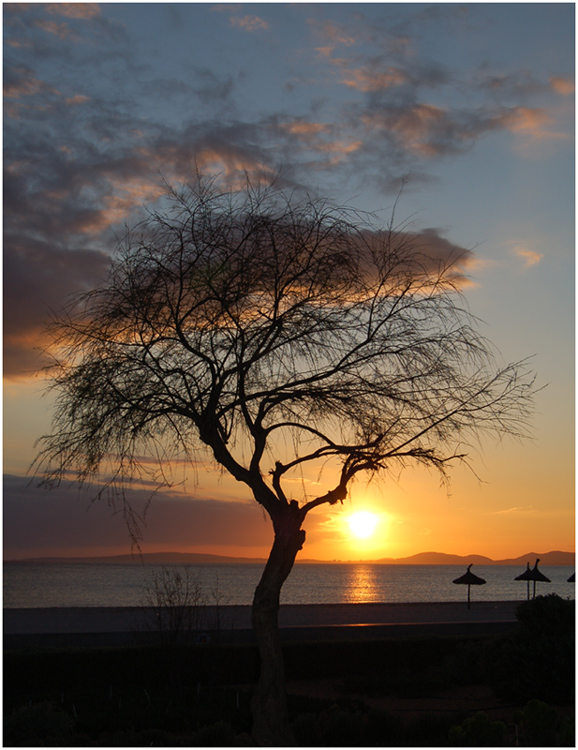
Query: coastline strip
[[59, 620]]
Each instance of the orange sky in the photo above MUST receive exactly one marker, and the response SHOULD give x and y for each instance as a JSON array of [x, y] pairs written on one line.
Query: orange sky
[[475, 119], [518, 505]]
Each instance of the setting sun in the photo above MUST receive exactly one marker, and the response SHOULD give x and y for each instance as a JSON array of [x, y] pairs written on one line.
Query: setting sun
[[363, 524]]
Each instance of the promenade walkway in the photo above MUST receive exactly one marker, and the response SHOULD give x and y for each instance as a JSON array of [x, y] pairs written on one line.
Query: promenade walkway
[[123, 625]]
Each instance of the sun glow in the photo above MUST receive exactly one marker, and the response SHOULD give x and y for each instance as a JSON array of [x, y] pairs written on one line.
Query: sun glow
[[363, 524]]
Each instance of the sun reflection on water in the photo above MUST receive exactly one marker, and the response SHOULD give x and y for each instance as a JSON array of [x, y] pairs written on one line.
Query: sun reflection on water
[[363, 585]]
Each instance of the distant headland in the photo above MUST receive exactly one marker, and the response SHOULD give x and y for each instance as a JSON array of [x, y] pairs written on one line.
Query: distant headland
[[422, 558]]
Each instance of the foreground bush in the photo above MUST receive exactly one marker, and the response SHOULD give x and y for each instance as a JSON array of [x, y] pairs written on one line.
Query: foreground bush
[[478, 731], [538, 660], [345, 725], [350, 726], [542, 726], [38, 724]]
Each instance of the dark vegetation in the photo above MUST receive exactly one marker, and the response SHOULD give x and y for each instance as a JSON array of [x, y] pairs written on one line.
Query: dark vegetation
[[538, 659], [269, 331], [200, 695]]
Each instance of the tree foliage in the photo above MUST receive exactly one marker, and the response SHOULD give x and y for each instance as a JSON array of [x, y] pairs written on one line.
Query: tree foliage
[[275, 331]]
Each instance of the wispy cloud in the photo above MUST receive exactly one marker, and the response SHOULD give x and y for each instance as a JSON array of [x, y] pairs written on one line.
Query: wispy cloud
[[61, 30], [20, 81], [74, 10], [525, 253], [249, 23], [87, 134], [331, 35], [515, 509], [530, 257], [531, 123], [563, 86], [365, 79], [301, 127]]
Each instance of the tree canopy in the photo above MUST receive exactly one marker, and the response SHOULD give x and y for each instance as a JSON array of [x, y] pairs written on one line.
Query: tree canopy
[[276, 331]]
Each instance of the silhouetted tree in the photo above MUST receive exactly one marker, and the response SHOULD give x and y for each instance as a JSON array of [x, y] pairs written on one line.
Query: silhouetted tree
[[276, 331]]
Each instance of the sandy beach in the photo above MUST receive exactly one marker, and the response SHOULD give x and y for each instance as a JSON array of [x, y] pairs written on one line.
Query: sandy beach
[[93, 625]]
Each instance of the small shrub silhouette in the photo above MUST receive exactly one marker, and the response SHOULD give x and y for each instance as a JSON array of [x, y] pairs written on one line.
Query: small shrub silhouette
[[335, 727], [537, 661], [541, 726], [478, 731], [219, 734], [382, 728], [307, 730], [175, 600], [38, 724], [547, 613]]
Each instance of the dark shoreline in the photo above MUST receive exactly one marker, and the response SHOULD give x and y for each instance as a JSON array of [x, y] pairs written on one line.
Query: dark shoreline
[[93, 626]]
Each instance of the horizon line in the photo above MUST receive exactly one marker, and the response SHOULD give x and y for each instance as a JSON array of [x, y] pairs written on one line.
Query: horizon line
[[481, 559]]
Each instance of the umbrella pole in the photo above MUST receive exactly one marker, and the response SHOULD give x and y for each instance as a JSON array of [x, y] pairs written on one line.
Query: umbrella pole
[[528, 589], [468, 595]]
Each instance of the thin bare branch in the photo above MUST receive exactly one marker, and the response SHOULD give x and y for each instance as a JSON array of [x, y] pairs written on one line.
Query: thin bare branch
[[252, 321]]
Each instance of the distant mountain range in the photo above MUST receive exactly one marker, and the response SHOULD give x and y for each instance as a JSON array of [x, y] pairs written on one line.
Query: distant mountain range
[[423, 558], [440, 558]]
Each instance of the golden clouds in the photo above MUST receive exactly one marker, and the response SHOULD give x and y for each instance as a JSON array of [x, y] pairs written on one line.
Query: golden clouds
[[353, 101], [121, 202], [77, 99], [341, 146], [531, 123], [333, 33], [365, 79], [527, 121], [320, 138], [21, 81], [249, 23], [232, 166], [563, 86], [61, 30], [425, 130], [303, 128], [528, 256], [74, 10]]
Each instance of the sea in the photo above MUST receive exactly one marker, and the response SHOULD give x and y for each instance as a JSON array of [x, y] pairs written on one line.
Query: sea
[[27, 584]]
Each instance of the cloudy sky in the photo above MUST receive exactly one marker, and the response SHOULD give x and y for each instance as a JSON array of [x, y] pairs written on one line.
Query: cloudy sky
[[469, 107]]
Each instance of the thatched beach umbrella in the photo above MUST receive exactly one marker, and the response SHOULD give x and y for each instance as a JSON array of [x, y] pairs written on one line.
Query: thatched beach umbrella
[[532, 575], [525, 576], [470, 579]]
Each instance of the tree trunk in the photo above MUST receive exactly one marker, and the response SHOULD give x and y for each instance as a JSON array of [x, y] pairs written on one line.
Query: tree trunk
[[269, 705]]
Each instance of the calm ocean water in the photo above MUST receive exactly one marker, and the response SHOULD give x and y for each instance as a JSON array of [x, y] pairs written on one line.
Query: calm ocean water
[[96, 585]]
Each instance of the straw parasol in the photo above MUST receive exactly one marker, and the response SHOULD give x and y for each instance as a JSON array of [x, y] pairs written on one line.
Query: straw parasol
[[532, 575], [525, 576], [470, 579]]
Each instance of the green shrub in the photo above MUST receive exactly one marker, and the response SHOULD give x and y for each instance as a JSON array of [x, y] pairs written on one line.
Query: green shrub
[[541, 726], [353, 727], [219, 734], [142, 738], [38, 724], [429, 730], [382, 728], [536, 661], [548, 613], [336, 727], [478, 731], [307, 730]]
